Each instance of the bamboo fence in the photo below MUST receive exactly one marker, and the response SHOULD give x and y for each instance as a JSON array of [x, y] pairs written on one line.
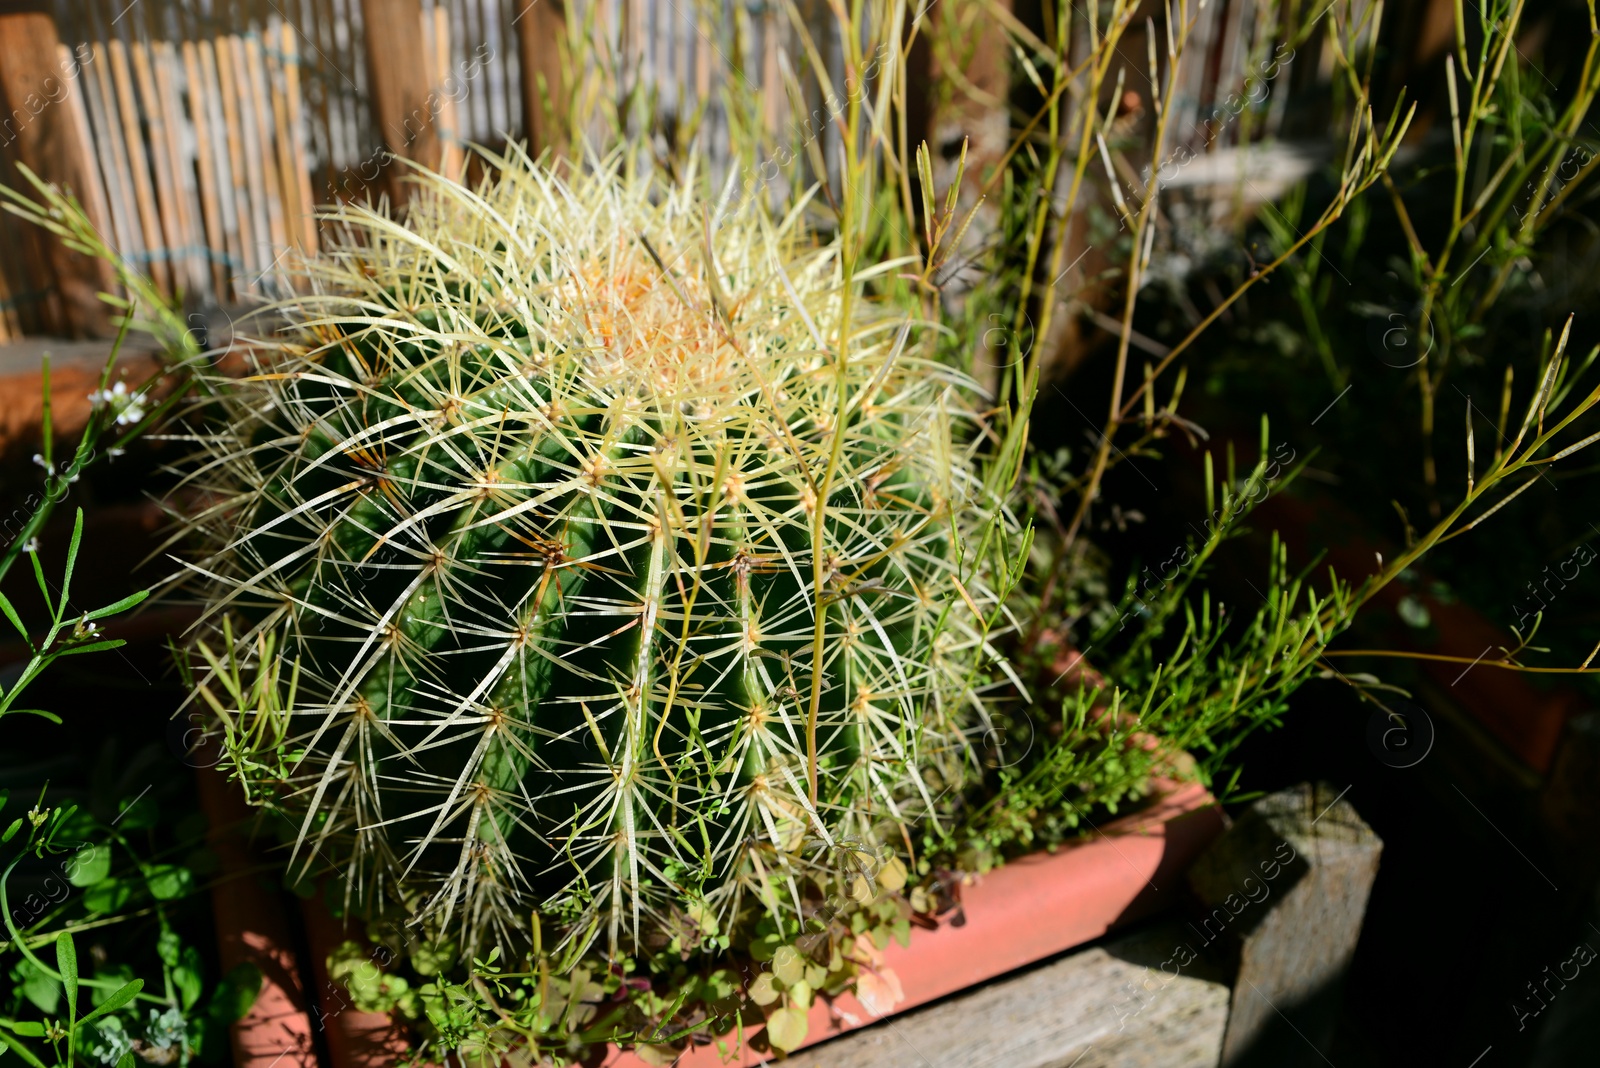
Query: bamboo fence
[[215, 128]]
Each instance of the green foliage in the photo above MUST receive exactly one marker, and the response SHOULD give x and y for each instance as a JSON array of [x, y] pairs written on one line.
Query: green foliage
[[59, 872], [98, 1012], [555, 1007]]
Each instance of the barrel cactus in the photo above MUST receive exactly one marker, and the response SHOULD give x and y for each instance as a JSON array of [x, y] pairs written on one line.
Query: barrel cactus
[[600, 563]]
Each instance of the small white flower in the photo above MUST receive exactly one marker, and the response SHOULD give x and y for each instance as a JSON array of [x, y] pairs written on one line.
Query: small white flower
[[114, 453], [128, 407], [32, 546], [49, 468]]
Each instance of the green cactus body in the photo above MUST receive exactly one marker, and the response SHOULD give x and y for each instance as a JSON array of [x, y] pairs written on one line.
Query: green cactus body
[[545, 529]]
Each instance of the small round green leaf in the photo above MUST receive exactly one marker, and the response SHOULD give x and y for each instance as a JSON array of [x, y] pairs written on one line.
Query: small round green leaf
[[235, 993], [89, 865], [763, 991], [186, 977], [169, 882], [786, 1029], [788, 965], [108, 895], [137, 814]]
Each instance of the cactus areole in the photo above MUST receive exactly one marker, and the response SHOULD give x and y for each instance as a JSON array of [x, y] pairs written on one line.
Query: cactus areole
[[580, 533]]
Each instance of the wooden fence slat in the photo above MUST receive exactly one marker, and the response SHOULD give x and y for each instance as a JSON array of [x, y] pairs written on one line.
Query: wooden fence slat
[[302, 165], [393, 32], [262, 109], [541, 39], [451, 135], [170, 244], [124, 211], [42, 135], [228, 55], [189, 253], [283, 150], [254, 165], [139, 167], [9, 326], [210, 207]]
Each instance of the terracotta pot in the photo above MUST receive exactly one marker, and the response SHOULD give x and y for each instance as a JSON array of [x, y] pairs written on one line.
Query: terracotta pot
[[1027, 910], [253, 928], [355, 1039]]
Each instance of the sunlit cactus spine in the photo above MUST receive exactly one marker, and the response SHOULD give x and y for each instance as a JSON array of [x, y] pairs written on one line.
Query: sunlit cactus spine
[[538, 500]]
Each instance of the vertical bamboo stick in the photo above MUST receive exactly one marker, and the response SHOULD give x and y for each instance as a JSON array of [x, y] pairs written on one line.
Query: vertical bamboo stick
[[297, 139], [452, 158], [113, 156], [702, 64], [149, 217], [93, 195], [262, 109], [238, 165], [771, 84], [682, 44], [283, 147], [228, 209], [336, 156], [249, 139], [164, 61], [170, 244], [210, 207]]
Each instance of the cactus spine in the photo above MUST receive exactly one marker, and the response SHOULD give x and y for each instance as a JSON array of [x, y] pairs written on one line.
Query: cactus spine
[[538, 500]]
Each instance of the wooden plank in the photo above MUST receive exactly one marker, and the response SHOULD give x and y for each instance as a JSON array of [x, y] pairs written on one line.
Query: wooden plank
[[1307, 852], [1127, 1004], [396, 71], [10, 320], [541, 27], [42, 135]]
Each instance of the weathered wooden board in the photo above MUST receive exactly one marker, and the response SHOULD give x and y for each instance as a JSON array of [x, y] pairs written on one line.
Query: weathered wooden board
[[1110, 1006]]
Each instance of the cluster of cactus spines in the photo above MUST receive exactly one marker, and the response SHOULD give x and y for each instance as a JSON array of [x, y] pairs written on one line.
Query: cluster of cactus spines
[[539, 496]]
